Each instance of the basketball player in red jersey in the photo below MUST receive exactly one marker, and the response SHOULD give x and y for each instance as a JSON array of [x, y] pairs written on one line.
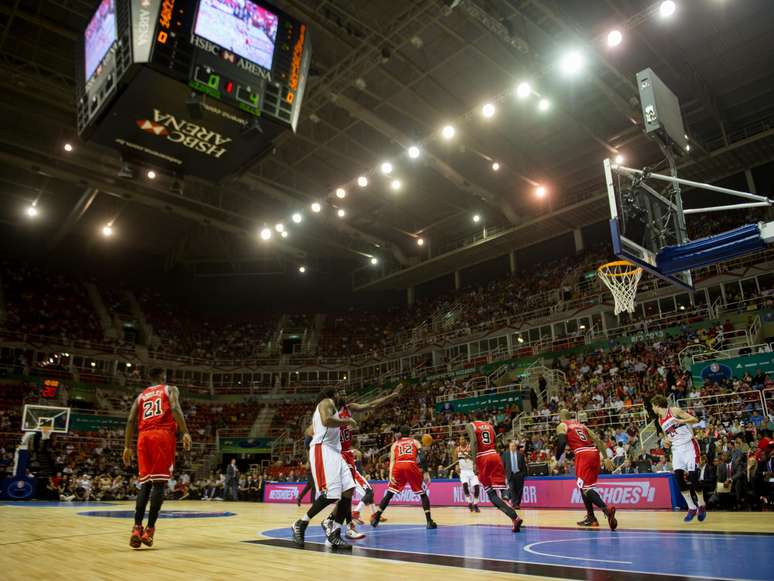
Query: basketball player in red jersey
[[157, 422], [587, 448], [404, 471], [488, 467]]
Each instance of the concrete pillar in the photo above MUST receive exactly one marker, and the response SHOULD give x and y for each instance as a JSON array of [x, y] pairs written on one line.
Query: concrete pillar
[[512, 262], [578, 237], [457, 280], [410, 296]]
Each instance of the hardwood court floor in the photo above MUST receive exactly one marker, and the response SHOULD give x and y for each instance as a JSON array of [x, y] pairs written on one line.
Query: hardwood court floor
[[56, 542]]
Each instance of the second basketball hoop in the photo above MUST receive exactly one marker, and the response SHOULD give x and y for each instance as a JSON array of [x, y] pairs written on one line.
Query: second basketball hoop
[[622, 278]]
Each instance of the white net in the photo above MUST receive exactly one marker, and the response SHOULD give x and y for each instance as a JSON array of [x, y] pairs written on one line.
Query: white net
[[621, 277]]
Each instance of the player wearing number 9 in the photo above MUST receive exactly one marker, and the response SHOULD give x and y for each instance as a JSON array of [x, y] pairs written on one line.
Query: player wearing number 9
[[156, 414]]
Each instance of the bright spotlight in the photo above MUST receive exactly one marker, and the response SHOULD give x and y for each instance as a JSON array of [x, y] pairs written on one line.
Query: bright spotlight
[[386, 168], [614, 38], [68, 147], [544, 104], [284, 233], [448, 132], [362, 181], [396, 185], [316, 207], [297, 217], [571, 63], [266, 234], [413, 152], [619, 159], [488, 110], [495, 166], [687, 148], [374, 260], [32, 211], [523, 90], [341, 213], [107, 230], [520, 339], [420, 241], [279, 227], [128, 364], [476, 218], [151, 174], [667, 9], [302, 269], [540, 192], [341, 193]]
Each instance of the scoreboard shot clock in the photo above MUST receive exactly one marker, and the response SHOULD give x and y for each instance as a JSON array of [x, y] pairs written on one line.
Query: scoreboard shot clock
[[194, 87]]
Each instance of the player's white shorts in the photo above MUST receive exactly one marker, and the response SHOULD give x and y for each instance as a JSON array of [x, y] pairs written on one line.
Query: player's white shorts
[[467, 477], [331, 473], [686, 456]]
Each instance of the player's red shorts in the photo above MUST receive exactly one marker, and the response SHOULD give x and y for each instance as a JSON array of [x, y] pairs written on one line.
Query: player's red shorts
[[491, 473], [406, 473], [587, 469], [156, 455]]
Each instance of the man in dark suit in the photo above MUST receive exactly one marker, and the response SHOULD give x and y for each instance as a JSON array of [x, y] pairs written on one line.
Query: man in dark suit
[[732, 478], [515, 470], [708, 477]]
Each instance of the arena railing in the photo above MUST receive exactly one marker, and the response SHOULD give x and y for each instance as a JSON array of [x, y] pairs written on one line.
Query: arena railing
[[596, 418], [725, 406], [732, 352], [767, 395]]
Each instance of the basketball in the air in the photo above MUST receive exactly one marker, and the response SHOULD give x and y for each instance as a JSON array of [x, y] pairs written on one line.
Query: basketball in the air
[[427, 439]]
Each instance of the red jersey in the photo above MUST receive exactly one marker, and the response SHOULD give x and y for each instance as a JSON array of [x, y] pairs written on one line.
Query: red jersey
[[155, 410], [485, 438], [406, 450], [345, 432], [578, 437]]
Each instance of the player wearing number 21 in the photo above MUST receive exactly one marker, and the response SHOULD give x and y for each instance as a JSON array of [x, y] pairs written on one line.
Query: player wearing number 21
[[156, 414]]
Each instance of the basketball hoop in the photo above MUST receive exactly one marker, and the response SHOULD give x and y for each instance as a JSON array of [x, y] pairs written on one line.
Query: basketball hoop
[[621, 277]]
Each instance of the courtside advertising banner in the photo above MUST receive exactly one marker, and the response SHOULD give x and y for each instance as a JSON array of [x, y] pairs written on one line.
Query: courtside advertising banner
[[646, 491]]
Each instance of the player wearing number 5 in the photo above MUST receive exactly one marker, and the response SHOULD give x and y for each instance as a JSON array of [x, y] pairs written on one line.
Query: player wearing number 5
[[156, 414]]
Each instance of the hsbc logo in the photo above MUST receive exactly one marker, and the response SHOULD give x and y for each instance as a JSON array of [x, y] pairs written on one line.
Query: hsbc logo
[[621, 493], [151, 127], [186, 133], [283, 493]]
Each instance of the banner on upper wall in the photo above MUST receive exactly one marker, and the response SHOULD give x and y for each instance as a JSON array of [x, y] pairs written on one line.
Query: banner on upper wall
[[719, 369], [471, 404], [245, 445], [90, 423], [636, 491]]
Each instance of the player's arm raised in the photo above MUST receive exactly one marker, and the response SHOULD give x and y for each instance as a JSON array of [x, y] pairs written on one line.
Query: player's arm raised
[[131, 424], [177, 412], [683, 416], [328, 410], [361, 407]]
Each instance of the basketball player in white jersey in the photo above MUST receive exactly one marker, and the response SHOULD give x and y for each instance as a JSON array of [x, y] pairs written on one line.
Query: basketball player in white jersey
[[470, 484], [676, 425], [332, 476]]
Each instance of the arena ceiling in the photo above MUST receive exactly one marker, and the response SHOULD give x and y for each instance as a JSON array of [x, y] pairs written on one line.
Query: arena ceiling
[[386, 75]]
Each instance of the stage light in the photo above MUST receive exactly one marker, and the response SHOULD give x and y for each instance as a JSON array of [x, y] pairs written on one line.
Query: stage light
[[374, 260], [341, 213], [128, 364], [571, 63], [341, 193], [520, 339], [619, 159], [279, 227], [297, 217], [386, 168], [544, 105], [107, 230], [302, 269], [32, 210], [68, 147], [413, 152], [667, 9], [687, 148], [316, 207], [448, 132], [395, 185], [540, 192], [151, 174], [362, 181], [582, 327], [420, 241], [266, 234], [523, 90], [284, 233], [488, 110], [614, 38], [476, 218], [495, 166], [93, 363]]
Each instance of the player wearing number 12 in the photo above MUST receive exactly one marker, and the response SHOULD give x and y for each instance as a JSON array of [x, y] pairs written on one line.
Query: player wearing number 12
[[156, 414]]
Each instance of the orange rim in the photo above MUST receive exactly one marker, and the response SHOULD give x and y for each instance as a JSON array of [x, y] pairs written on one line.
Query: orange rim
[[603, 269]]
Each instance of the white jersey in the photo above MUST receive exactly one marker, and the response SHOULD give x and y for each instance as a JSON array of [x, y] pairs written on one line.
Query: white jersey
[[679, 434], [465, 461], [324, 435]]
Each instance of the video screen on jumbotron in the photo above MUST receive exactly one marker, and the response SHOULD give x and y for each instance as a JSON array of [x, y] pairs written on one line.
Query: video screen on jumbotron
[[100, 35], [239, 26]]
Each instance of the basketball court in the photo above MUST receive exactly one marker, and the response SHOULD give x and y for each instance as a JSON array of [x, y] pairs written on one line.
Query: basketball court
[[241, 540]]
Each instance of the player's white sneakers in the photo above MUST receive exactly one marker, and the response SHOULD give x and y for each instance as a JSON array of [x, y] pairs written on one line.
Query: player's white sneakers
[[353, 533]]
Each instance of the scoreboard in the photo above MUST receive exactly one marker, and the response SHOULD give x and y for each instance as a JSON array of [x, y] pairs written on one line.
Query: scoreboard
[[198, 87]]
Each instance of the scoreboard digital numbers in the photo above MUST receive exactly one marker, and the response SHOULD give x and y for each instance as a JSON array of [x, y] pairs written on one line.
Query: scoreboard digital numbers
[[49, 388], [201, 87]]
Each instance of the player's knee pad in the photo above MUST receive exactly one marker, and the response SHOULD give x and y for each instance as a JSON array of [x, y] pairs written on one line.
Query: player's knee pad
[[682, 482], [693, 479], [466, 488], [368, 497], [476, 491]]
